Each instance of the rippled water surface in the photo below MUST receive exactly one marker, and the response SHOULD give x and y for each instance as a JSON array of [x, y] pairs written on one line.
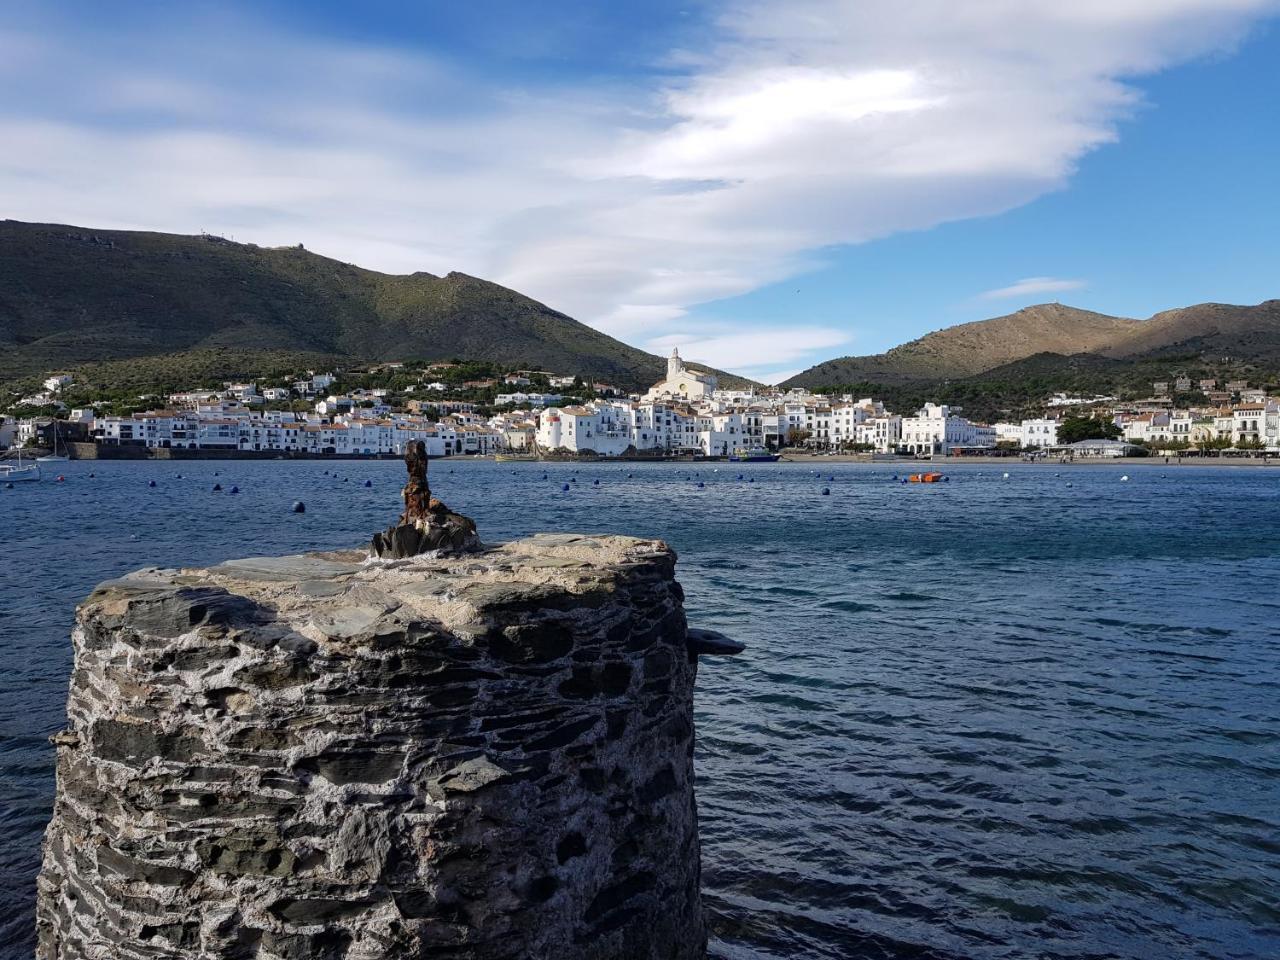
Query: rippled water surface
[[1025, 717]]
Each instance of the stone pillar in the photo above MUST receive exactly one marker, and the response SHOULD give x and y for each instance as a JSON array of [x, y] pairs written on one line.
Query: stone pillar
[[487, 756]]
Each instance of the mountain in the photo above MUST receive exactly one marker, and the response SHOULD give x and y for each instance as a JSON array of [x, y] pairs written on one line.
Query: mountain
[[1049, 334], [1210, 330], [971, 348], [72, 295]]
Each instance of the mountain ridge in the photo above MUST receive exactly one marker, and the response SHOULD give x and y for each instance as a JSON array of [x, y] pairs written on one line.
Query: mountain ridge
[[73, 295], [972, 350]]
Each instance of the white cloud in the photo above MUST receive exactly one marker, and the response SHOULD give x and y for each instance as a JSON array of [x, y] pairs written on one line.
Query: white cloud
[[757, 352], [1032, 286], [809, 124]]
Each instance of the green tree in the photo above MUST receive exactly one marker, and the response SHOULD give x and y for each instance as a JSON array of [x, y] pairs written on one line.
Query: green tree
[[1075, 429], [796, 436]]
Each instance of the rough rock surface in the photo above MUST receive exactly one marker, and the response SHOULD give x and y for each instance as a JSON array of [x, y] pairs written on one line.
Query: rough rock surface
[[481, 756]]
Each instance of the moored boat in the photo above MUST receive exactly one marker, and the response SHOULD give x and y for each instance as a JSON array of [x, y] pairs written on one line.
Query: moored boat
[[11, 472], [754, 455], [925, 477]]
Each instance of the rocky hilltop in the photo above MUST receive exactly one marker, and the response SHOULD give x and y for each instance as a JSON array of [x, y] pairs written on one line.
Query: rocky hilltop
[[323, 756]]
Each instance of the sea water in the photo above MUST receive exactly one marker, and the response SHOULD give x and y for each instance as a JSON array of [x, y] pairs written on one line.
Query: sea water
[[987, 718]]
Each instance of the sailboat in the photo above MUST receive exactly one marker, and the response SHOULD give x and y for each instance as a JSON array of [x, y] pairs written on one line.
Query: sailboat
[[10, 473], [54, 457]]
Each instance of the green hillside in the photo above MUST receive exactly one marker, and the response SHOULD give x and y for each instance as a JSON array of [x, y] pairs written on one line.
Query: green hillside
[[71, 296]]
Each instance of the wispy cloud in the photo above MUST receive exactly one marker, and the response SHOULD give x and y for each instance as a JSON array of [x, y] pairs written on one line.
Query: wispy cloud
[[767, 354], [1032, 286], [797, 127]]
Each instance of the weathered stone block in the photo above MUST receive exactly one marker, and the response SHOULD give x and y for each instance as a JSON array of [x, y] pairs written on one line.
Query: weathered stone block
[[483, 756]]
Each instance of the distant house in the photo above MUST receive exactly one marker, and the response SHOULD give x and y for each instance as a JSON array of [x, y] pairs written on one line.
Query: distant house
[[1160, 387], [1105, 449]]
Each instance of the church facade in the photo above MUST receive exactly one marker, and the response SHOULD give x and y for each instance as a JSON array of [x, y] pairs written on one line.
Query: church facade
[[682, 383]]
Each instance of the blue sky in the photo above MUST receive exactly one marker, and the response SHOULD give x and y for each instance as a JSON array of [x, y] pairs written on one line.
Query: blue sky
[[765, 185]]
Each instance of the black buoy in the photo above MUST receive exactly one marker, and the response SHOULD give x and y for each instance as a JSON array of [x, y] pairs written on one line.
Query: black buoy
[[826, 491], [151, 483], [8, 486], [344, 479], [573, 479], [217, 487], [564, 487], [595, 483], [299, 507], [92, 475], [701, 484], [235, 489], [752, 480], [177, 476], [630, 475], [368, 483]]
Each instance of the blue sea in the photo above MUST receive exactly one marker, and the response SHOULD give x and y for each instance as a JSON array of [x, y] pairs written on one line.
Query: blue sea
[[1034, 716]]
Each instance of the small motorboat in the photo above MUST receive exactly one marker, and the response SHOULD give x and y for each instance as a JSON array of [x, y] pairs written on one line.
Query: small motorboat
[[925, 478], [754, 455]]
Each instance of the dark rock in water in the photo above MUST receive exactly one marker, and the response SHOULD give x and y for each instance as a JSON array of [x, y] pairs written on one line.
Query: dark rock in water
[[486, 756], [712, 643]]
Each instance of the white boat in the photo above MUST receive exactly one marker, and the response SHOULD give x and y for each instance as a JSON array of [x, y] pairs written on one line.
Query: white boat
[[13, 472], [54, 457]]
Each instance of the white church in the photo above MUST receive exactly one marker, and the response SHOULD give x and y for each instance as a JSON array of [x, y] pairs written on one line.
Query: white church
[[682, 383]]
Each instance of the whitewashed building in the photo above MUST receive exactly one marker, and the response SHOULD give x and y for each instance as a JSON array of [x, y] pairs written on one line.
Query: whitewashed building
[[682, 383], [936, 429]]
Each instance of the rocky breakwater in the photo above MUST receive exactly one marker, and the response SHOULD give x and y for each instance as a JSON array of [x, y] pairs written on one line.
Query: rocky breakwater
[[323, 756]]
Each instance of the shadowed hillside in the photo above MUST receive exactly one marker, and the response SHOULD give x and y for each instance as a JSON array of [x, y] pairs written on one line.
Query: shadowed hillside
[[70, 295]]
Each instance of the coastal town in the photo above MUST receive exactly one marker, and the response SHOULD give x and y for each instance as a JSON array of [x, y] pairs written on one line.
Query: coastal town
[[531, 414]]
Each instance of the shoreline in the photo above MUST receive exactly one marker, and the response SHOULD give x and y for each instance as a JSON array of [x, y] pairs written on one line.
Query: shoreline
[[787, 457], [810, 458]]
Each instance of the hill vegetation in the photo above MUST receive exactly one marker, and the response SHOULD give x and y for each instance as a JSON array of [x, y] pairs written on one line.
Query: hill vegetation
[[70, 296], [1008, 366]]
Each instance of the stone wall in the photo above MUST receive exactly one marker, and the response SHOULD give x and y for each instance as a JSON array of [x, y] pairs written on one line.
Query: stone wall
[[322, 757]]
